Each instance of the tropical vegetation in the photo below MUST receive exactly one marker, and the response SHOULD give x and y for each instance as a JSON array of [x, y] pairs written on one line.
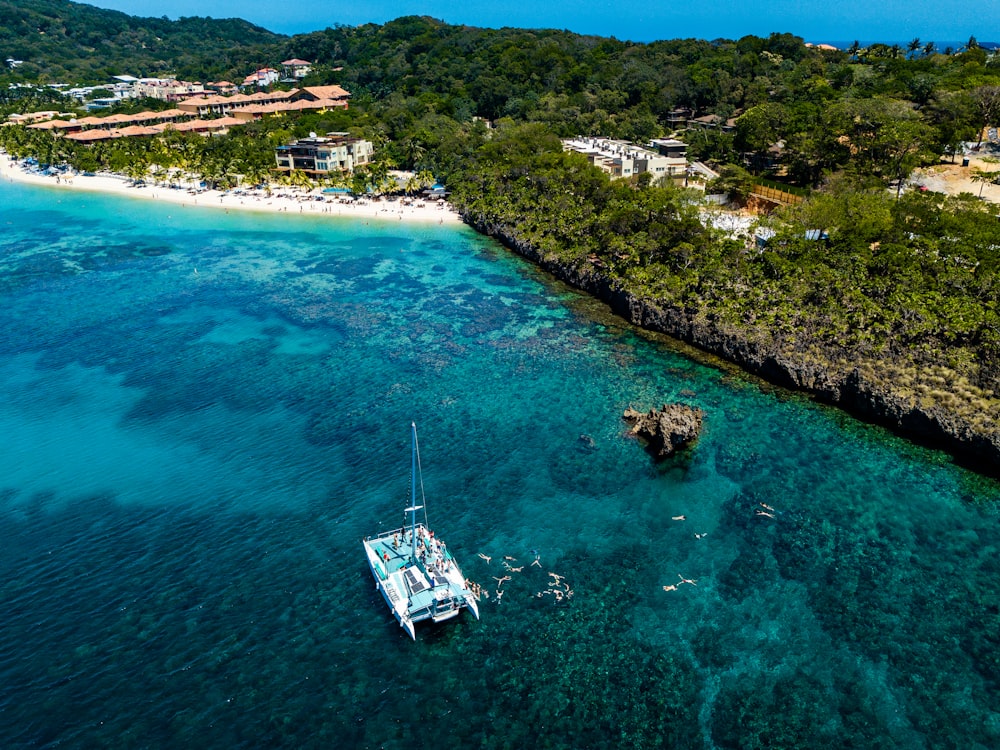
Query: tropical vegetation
[[58, 40], [863, 275]]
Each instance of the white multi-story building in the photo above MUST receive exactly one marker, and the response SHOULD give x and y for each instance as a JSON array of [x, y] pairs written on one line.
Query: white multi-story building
[[622, 159], [165, 89], [296, 68], [262, 77], [336, 152]]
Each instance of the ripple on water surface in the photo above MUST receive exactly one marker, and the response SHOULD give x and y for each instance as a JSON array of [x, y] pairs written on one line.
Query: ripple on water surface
[[204, 414]]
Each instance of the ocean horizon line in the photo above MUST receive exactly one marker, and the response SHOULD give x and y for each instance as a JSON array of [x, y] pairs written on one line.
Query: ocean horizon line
[[844, 45]]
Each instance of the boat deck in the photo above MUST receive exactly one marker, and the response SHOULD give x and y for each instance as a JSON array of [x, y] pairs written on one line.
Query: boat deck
[[430, 586]]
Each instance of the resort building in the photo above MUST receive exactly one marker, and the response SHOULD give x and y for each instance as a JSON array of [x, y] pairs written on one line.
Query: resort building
[[49, 114], [318, 155], [677, 118], [91, 129], [256, 105], [333, 92], [622, 159], [296, 68], [261, 78], [204, 114], [712, 122], [166, 89], [210, 114], [223, 88], [669, 147], [118, 92]]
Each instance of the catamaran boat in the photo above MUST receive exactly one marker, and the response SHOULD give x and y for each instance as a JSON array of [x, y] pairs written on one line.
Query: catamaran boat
[[415, 571]]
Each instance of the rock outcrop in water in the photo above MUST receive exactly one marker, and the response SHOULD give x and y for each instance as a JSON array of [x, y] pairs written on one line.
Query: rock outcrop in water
[[668, 430], [852, 386]]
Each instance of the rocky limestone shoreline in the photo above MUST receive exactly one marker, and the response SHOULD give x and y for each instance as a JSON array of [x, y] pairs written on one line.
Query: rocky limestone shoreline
[[845, 387]]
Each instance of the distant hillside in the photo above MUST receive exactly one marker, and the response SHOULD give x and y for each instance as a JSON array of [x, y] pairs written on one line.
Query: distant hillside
[[71, 42]]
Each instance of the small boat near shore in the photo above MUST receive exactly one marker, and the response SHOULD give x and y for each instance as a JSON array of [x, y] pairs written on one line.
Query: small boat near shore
[[414, 569]]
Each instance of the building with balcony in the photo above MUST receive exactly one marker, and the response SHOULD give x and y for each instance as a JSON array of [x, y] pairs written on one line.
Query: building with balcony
[[222, 88], [166, 89], [261, 103], [319, 155], [669, 147], [261, 78], [623, 160], [296, 68]]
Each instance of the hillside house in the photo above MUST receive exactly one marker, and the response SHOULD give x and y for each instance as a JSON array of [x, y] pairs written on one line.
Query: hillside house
[[713, 122], [222, 88], [262, 78], [296, 68]]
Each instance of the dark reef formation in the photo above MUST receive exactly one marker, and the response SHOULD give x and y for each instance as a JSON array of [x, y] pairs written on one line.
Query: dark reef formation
[[667, 430], [849, 388]]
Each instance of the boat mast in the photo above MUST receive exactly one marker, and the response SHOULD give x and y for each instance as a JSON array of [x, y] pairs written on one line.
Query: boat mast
[[413, 491]]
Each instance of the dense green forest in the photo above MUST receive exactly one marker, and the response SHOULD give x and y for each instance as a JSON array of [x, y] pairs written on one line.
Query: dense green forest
[[60, 41], [905, 288], [901, 292]]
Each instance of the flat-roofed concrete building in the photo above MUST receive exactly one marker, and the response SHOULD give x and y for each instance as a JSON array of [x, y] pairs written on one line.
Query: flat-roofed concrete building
[[622, 159], [334, 152], [670, 147]]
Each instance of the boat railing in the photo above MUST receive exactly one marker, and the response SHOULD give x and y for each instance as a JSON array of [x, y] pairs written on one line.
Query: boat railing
[[401, 532]]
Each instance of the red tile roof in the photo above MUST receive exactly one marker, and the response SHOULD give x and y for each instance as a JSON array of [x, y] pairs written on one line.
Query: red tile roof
[[327, 92], [94, 135]]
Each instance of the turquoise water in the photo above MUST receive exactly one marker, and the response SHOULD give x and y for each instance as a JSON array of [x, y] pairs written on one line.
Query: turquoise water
[[204, 413]]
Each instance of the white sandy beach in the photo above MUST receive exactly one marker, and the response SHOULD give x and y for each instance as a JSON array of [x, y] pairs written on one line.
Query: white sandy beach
[[282, 199]]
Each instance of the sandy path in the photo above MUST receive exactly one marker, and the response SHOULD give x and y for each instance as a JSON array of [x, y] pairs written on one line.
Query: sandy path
[[953, 179]]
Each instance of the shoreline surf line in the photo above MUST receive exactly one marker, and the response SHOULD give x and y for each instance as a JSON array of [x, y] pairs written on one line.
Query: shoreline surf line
[[282, 200]]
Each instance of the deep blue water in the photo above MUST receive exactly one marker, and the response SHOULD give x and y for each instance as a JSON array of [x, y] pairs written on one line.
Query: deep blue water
[[938, 46], [204, 413]]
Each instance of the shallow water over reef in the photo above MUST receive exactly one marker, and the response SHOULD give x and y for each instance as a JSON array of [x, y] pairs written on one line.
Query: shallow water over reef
[[204, 413]]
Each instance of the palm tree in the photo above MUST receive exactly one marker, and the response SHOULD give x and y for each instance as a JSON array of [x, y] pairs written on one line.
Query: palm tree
[[161, 159], [929, 49], [983, 178], [359, 181], [254, 175], [413, 151], [300, 178], [913, 46], [426, 178]]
